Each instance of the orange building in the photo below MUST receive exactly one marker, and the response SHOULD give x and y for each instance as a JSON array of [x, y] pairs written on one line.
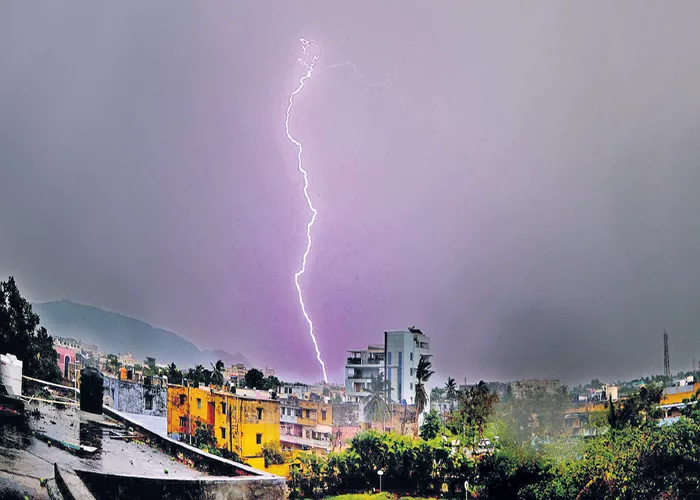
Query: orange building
[[239, 423]]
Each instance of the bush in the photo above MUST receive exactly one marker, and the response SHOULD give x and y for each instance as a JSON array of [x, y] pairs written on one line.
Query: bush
[[272, 453]]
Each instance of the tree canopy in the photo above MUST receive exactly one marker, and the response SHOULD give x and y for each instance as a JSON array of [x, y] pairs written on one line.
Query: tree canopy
[[21, 335]]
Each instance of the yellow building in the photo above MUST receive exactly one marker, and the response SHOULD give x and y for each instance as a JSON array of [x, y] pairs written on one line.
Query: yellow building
[[676, 395], [239, 423]]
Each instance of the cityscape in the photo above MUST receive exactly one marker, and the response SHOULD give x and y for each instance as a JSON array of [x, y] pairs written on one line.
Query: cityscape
[[284, 437], [387, 250]]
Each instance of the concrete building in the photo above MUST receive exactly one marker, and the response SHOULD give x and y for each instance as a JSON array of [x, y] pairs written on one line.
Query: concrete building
[[397, 359], [523, 388], [360, 368], [240, 422], [149, 397], [293, 391], [127, 359], [403, 350], [306, 424], [66, 357], [235, 374]]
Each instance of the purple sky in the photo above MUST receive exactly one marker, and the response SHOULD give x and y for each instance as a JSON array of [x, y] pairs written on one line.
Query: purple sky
[[525, 190]]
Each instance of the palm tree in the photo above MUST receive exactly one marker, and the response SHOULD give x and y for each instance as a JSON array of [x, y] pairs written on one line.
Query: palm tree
[[451, 390], [174, 375], [217, 376], [376, 407], [423, 374]]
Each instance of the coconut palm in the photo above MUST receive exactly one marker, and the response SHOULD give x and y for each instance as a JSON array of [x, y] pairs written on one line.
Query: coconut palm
[[376, 407], [217, 376], [451, 390], [423, 373]]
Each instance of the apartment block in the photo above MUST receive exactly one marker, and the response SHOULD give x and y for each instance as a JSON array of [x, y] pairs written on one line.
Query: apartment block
[[306, 424], [240, 423], [403, 351], [361, 366]]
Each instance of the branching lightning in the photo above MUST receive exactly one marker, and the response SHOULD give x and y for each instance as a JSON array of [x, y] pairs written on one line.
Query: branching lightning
[[308, 60]]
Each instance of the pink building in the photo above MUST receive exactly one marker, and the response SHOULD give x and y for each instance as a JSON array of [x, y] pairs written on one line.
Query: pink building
[[66, 357]]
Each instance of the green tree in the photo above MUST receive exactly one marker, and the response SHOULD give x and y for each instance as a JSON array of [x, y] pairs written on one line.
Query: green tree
[[217, 376], [21, 335], [272, 453], [431, 426], [475, 406], [376, 406], [423, 373], [254, 379], [174, 375], [451, 389]]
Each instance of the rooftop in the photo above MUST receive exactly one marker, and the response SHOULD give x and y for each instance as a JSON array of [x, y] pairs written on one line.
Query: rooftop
[[115, 455]]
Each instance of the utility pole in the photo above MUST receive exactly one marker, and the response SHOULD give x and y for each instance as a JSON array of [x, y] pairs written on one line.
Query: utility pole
[[667, 363]]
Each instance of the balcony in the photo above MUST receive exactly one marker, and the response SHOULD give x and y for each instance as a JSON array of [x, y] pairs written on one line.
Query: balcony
[[289, 419], [302, 441]]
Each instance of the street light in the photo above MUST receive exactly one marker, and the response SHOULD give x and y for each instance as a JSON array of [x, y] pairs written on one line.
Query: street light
[[466, 490], [380, 473]]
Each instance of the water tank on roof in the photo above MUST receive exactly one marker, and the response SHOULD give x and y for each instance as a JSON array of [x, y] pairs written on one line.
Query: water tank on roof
[[11, 374], [91, 390]]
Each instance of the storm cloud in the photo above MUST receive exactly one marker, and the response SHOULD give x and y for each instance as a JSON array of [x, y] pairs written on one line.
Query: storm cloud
[[523, 188]]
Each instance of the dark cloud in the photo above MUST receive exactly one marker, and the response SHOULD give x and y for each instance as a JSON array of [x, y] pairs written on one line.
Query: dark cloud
[[522, 188]]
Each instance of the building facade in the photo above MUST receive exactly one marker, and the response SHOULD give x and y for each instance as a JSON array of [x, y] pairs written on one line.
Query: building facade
[[397, 360], [360, 368], [403, 350], [149, 397], [239, 423], [306, 424]]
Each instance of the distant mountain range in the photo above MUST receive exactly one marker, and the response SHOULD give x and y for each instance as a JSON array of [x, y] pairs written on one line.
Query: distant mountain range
[[115, 333]]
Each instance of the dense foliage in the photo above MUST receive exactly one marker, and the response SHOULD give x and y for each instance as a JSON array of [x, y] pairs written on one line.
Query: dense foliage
[[21, 335], [630, 456], [408, 464]]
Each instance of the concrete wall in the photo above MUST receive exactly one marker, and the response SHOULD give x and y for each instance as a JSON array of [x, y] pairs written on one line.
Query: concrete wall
[[205, 488], [131, 397]]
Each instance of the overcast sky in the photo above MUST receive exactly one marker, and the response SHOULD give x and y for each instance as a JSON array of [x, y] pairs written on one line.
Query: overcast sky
[[524, 188]]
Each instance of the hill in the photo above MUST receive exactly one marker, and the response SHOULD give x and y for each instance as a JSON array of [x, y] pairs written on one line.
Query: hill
[[115, 333]]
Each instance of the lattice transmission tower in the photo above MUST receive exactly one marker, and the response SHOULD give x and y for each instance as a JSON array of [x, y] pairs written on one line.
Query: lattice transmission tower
[[667, 362]]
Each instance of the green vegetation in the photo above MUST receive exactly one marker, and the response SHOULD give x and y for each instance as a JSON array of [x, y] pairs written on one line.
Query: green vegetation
[[629, 456], [272, 452], [255, 379], [21, 335]]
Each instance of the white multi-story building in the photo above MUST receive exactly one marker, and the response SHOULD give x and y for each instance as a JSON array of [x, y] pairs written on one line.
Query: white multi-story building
[[397, 359], [403, 350], [360, 368]]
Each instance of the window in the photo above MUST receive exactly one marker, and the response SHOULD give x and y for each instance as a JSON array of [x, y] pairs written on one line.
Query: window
[[411, 356], [411, 385], [323, 414], [260, 414], [308, 413], [258, 439], [223, 432], [149, 402], [183, 421], [182, 399], [223, 409], [199, 404]]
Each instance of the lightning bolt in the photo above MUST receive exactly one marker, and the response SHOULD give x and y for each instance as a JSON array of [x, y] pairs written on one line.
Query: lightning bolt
[[308, 60]]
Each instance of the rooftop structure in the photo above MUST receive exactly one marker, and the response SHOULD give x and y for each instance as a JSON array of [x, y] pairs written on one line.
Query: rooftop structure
[[83, 455]]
